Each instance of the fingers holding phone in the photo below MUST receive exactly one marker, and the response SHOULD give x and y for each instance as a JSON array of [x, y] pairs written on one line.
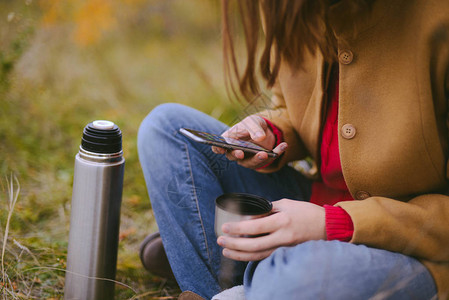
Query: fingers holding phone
[[248, 142], [254, 129], [255, 161]]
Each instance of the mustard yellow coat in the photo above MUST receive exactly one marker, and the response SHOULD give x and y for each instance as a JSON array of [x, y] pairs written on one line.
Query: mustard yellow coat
[[393, 117]]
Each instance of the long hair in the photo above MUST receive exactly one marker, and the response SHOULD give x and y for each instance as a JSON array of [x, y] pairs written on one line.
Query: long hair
[[291, 28]]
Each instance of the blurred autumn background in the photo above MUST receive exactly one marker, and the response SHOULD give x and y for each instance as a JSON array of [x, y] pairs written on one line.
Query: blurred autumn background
[[64, 64]]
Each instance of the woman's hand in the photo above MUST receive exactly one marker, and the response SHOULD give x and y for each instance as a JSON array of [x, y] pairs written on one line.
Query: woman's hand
[[253, 128], [291, 223]]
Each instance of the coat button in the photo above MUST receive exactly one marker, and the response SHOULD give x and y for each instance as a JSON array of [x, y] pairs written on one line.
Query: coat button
[[345, 57], [362, 195], [348, 131]]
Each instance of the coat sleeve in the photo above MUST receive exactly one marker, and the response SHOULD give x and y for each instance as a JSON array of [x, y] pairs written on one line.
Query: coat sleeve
[[419, 227], [280, 117]]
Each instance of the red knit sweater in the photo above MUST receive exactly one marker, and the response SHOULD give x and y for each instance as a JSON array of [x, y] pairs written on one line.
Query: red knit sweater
[[332, 189]]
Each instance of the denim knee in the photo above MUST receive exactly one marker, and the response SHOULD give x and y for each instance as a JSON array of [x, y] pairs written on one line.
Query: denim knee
[[164, 116], [336, 270], [162, 121]]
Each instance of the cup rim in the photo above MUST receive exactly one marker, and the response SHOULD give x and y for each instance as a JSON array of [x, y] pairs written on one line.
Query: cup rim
[[263, 204]]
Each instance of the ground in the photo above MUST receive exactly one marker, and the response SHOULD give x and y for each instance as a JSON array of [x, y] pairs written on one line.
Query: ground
[[64, 64]]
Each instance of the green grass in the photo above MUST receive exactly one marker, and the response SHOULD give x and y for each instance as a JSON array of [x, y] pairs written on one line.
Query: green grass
[[51, 86]]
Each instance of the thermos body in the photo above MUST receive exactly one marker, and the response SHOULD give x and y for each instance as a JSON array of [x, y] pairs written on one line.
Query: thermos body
[[94, 225]]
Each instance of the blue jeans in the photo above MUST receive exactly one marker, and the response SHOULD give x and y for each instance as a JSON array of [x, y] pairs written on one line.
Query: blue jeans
[[184, 178]]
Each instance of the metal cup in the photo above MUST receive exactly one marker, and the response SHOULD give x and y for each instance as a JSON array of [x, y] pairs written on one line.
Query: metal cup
[[235, 207]]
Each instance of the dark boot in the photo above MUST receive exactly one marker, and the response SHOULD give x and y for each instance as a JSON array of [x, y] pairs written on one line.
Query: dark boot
[[153, 257], [188, 295]]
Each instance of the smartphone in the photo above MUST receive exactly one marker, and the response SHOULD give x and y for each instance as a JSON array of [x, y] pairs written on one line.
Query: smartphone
[[224, 142]]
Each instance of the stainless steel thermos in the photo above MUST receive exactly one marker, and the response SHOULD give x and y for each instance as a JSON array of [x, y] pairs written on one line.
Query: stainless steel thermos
[[95, 213]]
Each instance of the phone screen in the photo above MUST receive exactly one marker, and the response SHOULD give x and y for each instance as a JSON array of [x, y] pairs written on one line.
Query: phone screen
[[225, 142]]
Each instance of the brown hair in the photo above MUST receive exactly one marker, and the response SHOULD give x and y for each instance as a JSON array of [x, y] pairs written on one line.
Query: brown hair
[[305, 20]]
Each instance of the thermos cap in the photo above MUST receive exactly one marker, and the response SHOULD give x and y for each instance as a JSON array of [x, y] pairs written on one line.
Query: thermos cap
[[103, 124], [102, 136]]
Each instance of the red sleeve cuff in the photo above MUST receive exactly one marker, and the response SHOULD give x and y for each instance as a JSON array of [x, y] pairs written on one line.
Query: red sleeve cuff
[[339, 224], [278, 136]]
